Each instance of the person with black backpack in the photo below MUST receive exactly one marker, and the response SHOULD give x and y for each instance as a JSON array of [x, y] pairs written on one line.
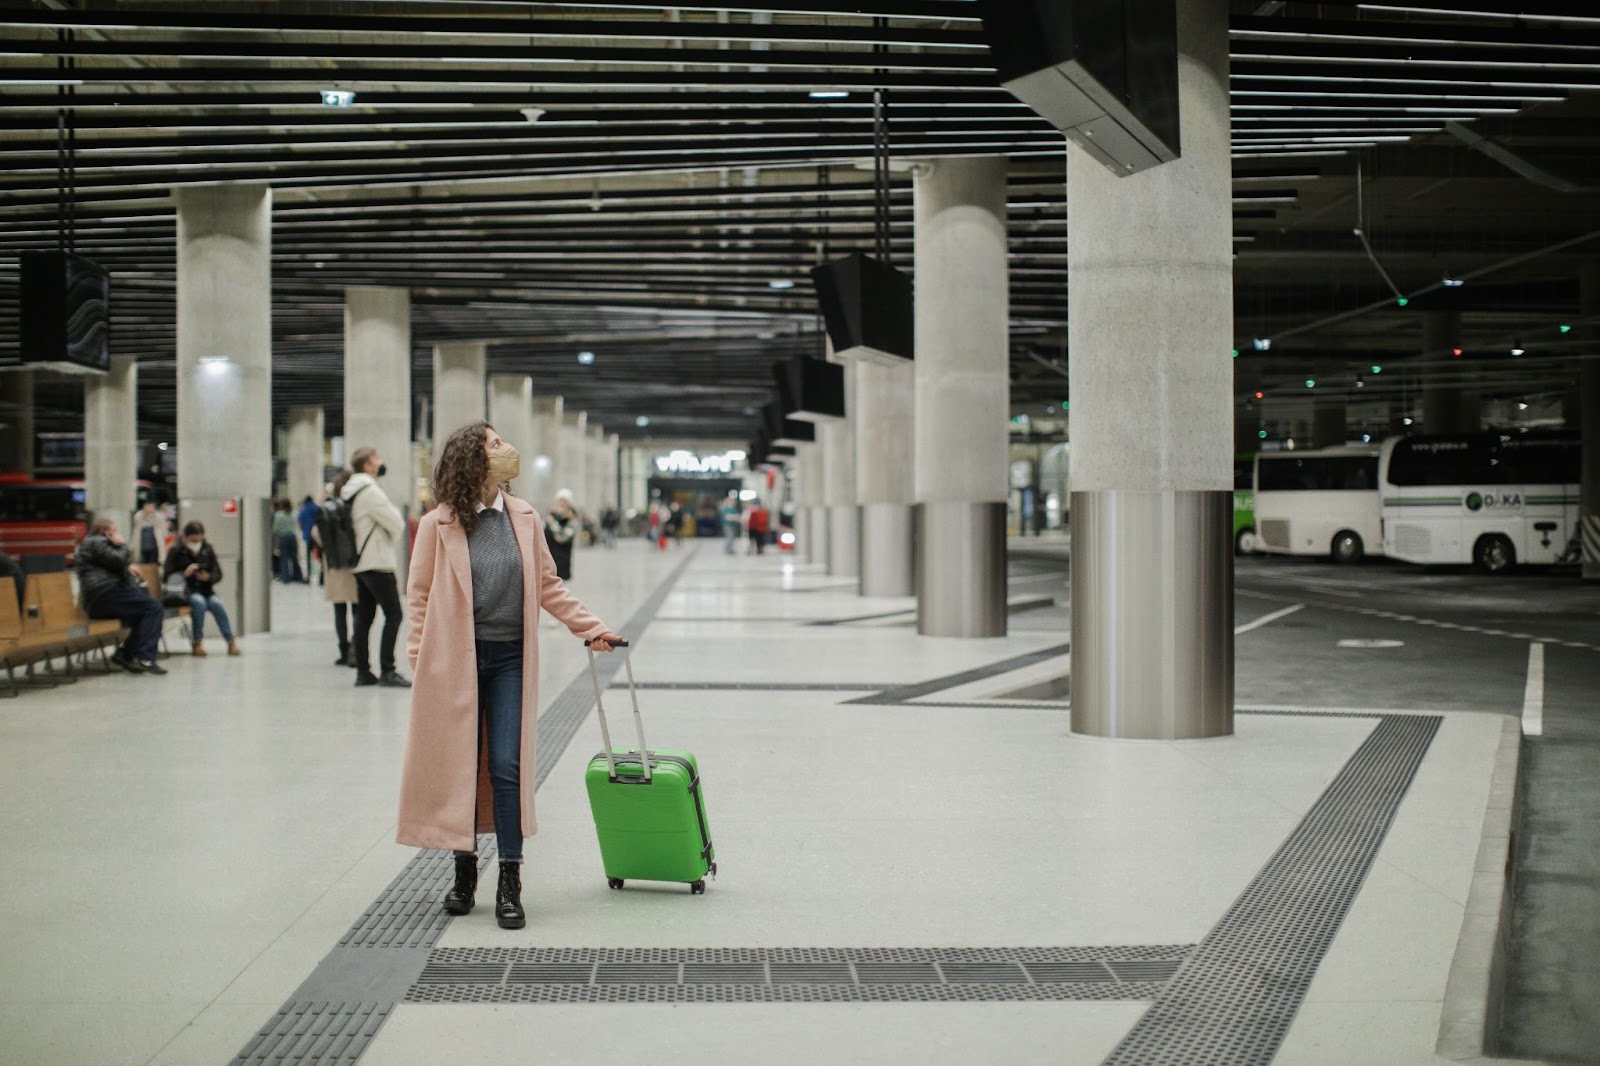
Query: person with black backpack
[[334, 537]]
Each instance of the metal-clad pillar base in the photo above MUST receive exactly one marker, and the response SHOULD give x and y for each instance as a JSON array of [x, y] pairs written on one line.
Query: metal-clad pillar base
[[1152, 614], [961, 569], [886, 550], [844, 540]]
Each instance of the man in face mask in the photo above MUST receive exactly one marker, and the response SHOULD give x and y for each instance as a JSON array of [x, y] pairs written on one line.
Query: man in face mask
[[196, 562], [380, 531]]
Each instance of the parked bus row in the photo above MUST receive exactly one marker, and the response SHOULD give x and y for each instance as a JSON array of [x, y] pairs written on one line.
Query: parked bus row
[[1493, 499]]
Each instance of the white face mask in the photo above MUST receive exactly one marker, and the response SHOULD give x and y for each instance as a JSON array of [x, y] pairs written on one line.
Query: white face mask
[[194, 545]]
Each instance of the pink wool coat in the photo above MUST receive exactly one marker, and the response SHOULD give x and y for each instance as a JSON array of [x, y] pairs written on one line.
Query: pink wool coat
[[445, 779]]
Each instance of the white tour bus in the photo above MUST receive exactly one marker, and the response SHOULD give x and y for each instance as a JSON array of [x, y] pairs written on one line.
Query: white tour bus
[[1494, 498], [1322, 502]]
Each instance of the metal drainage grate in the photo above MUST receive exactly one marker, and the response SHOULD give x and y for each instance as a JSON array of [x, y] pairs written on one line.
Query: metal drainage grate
[[753, 975], [1234, 999]]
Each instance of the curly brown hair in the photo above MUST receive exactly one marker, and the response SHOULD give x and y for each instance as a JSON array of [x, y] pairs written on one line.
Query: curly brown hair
[[462, 469]]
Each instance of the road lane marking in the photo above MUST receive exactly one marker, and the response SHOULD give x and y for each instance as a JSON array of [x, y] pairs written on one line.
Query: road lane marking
[[1533, 694], [1267, 619]]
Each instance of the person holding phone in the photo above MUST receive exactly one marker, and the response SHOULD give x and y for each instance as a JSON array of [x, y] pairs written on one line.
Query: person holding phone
[[481, 572]]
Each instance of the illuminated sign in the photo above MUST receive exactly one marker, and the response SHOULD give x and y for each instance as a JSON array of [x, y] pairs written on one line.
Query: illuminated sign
[[680, 461]]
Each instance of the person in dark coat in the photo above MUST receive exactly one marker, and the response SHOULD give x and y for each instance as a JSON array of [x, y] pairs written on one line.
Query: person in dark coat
[[560, 530], [107, 589], [196, 560]]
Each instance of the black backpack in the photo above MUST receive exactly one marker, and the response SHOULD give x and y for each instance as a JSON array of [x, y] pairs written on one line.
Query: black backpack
[[336, 529]]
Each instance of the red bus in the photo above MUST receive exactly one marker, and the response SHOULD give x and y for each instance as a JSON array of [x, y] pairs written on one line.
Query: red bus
[[45, 516]]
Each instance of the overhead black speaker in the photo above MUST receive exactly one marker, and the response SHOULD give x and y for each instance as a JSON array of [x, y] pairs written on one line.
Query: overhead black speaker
[[1104, 72], [868, 308], [786, 430], [810, 390]]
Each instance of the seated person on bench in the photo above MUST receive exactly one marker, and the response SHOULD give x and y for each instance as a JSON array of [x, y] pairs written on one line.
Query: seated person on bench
[[196, 560], [106, 585]]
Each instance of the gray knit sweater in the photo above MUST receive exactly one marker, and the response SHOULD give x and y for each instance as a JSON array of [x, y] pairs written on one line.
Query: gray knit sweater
[[496, 577]]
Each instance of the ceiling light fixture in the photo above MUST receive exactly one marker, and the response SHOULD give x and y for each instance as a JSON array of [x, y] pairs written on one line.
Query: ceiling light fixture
[[586, 358], [641, 421], [1450, 281], [1517, 348], [829, 94], [1456, 352], [338, 98], [1262, 344], [533, 114], [780, 283]]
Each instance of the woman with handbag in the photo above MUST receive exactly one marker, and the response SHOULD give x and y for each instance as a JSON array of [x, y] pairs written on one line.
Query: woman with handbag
[[480, 573], [192, 572]]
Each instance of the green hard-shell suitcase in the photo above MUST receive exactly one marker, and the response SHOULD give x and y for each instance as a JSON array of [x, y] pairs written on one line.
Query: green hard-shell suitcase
[[650, 816]]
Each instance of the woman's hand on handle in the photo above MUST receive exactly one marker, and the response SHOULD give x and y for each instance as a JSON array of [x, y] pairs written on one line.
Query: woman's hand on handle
[[607, 641]]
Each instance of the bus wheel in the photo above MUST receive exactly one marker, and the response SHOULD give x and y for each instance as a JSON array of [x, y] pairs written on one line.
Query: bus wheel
[[1494, 554], [1244, 542], [1347, 547]]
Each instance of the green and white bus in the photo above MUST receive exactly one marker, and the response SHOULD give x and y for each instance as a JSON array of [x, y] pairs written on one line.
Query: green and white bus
[[1320, 502], [1494, 499]]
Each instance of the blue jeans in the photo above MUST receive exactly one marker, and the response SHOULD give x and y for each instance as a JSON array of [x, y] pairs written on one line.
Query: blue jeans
[[289, 559], [500, 727], [198, 606]]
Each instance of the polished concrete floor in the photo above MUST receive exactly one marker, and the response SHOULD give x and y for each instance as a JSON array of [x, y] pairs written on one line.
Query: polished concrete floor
[[188, 852]]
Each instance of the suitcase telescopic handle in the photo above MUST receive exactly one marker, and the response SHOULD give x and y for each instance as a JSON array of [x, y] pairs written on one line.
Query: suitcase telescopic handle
[[600, 711]]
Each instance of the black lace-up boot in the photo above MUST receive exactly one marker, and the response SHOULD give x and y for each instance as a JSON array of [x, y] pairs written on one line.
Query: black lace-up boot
[[460, 898], [508, 900]]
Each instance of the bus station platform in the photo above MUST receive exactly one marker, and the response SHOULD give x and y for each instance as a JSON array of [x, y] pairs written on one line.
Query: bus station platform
[[917, 860]]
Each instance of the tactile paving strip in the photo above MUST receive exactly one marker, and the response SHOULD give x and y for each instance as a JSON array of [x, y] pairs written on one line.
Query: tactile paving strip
[[320, 1033], [778, 975], [1235, 997]]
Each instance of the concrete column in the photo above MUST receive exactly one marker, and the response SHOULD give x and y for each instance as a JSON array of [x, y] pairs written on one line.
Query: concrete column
[[511, 414], [573, 466], [16, 421], [612, 448], [224, 373], [962, 403], [1150, 291], [1589, 418], [1328, 425], [883, 420], [1247, 430], [111, 440], [838, 440], [307, 426], [594, 475], [1446, 406], [546, 451], [458, 388], [377, 385]]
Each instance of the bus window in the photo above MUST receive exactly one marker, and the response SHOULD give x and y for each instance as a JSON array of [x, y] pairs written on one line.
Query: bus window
[[28, 503], [1536, 461], [1244, 475]]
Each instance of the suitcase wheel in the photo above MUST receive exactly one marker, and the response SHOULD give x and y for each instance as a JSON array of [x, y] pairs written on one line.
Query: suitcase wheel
[[697, 888], [614, 882]]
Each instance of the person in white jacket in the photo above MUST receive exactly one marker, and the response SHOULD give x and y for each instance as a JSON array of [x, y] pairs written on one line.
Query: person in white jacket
[[380, 531]]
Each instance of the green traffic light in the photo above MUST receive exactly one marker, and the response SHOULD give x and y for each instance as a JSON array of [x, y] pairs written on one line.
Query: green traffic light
[[1261, 433], [1565, 328], [1401, 301], [1377, 370], [1236, 353]]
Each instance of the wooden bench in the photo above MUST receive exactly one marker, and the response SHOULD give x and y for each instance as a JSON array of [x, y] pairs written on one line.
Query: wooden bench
[[34, 635]]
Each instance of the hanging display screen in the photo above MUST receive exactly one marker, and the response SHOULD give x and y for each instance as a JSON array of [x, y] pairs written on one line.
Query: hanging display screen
[[66, 312]]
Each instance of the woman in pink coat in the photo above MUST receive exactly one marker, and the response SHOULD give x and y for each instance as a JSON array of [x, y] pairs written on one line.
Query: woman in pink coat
[[480, 572]]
